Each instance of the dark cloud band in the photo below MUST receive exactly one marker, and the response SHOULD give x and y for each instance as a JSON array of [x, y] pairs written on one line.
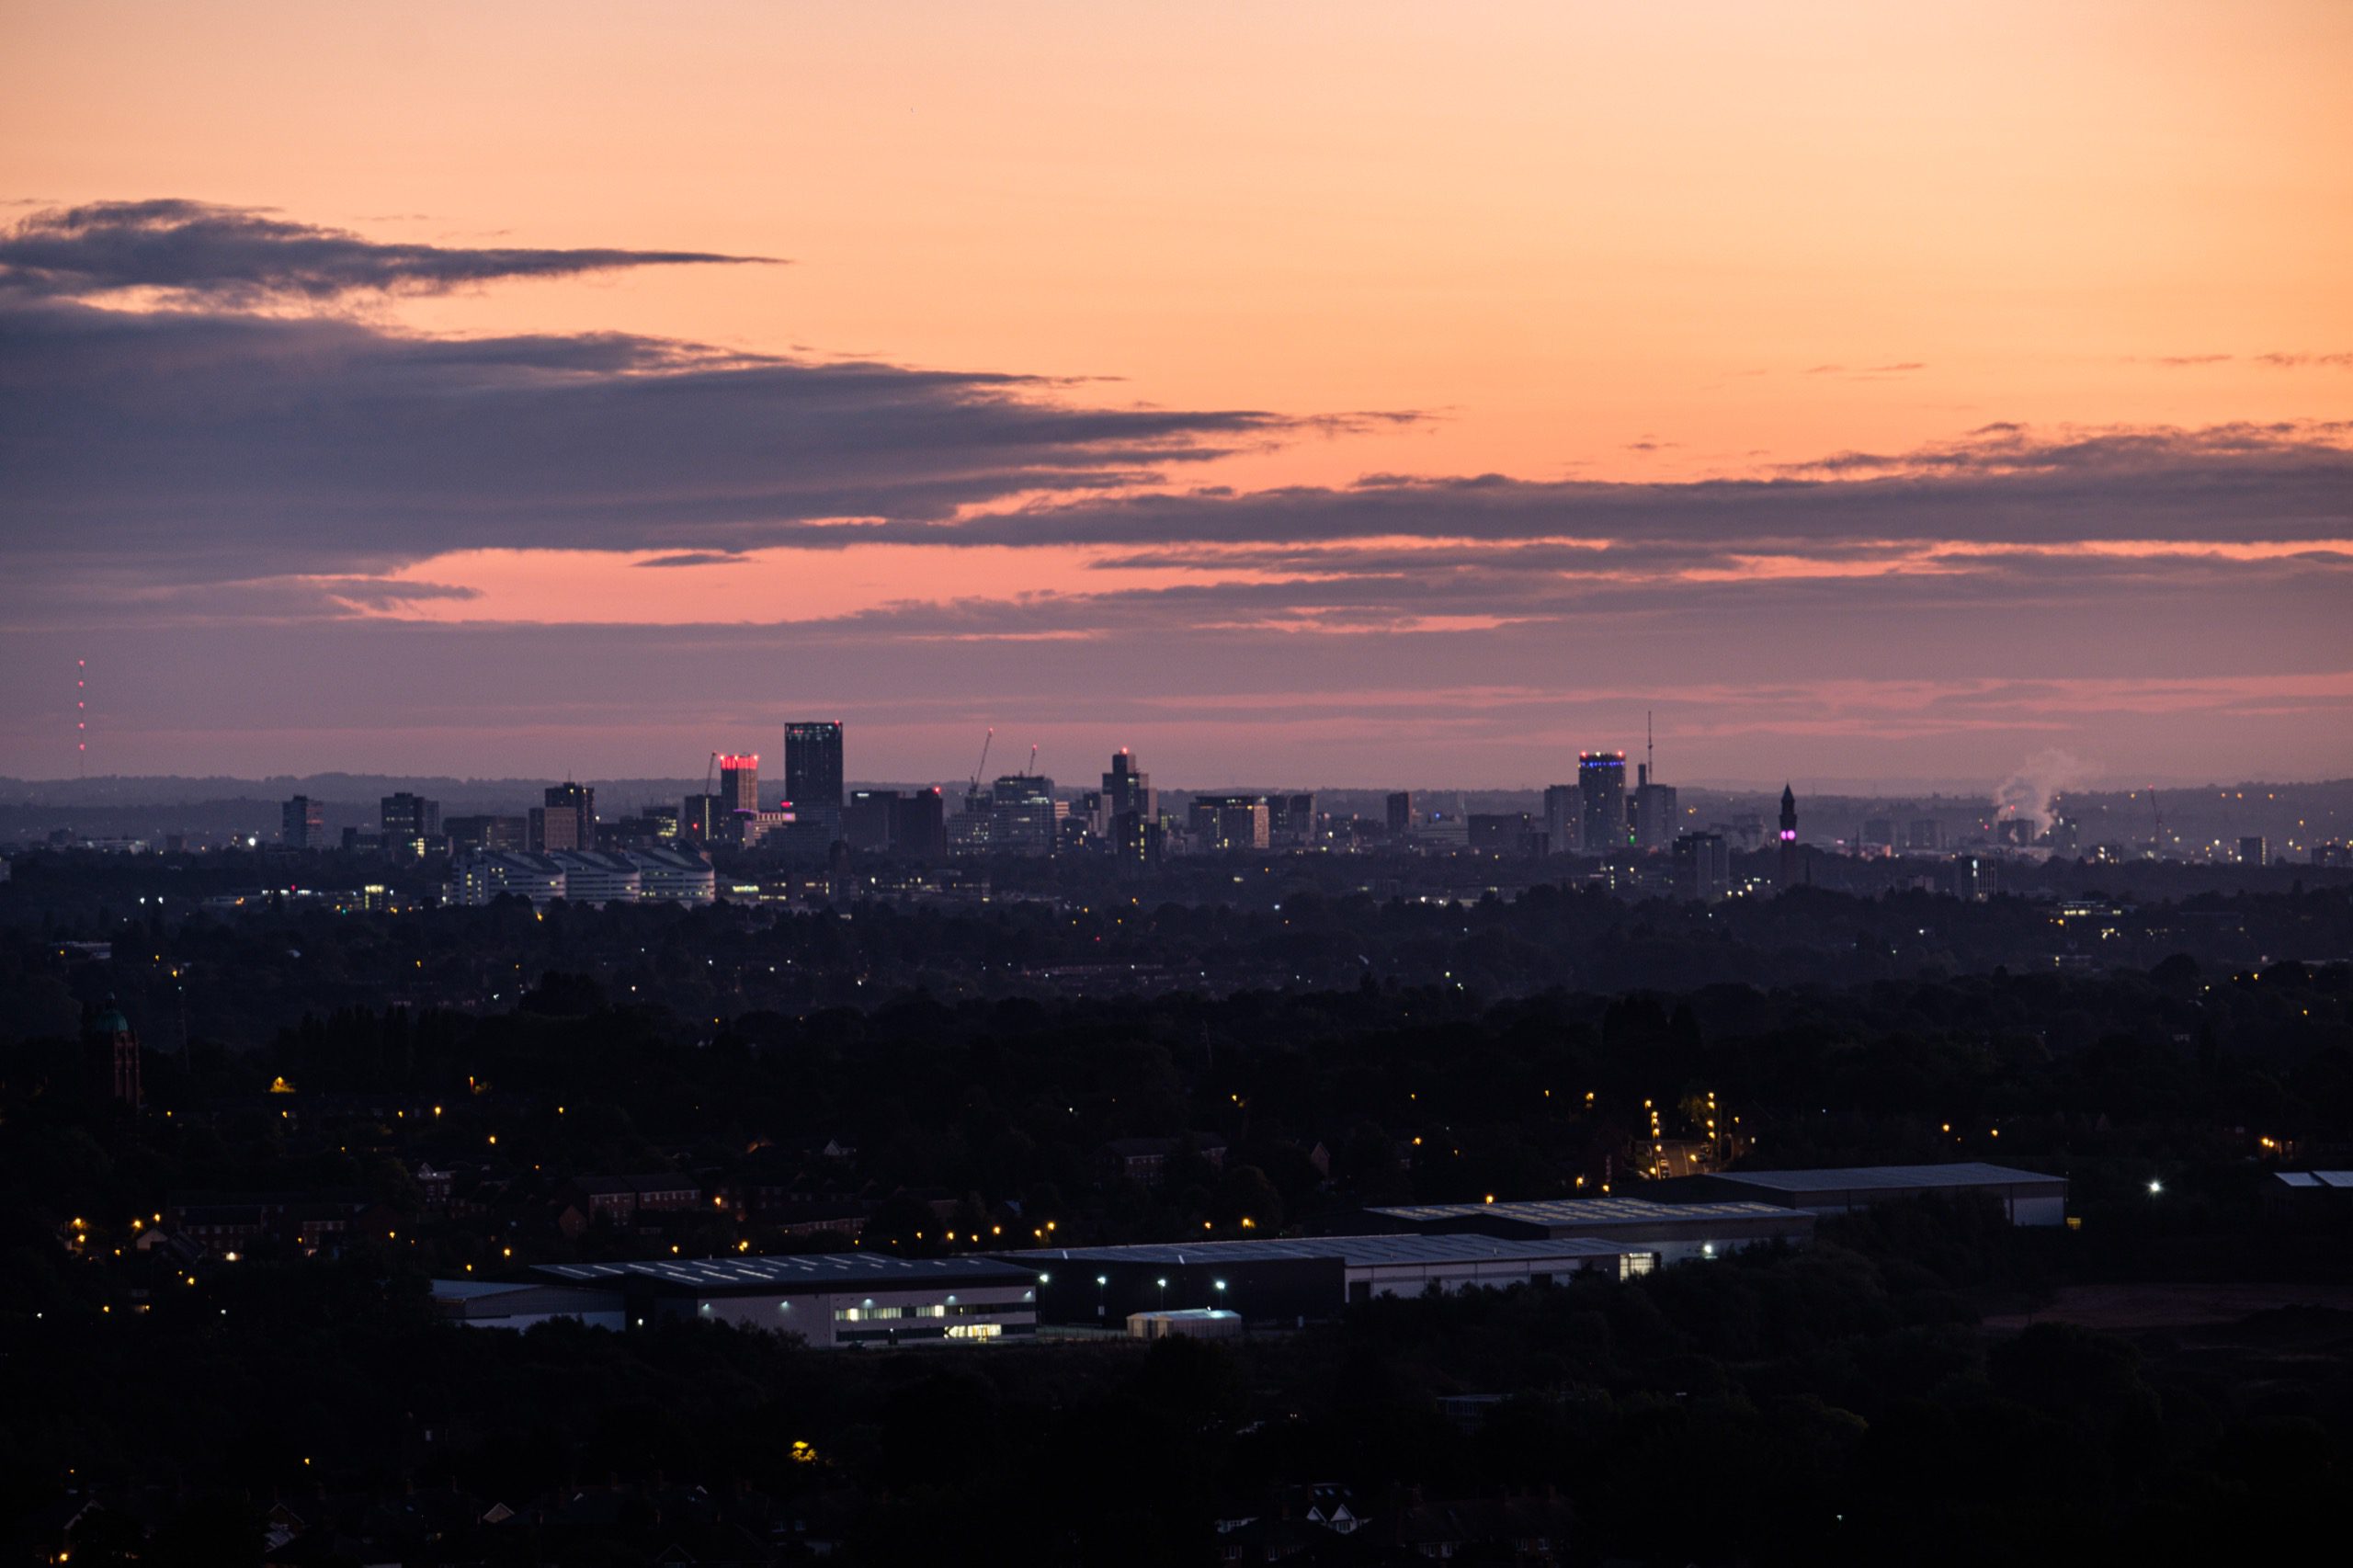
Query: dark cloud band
[[195, 250]]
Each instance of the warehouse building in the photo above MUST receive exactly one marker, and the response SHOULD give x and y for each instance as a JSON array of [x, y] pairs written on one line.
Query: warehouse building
[[829, 1299], [1673, 1232], [484, 1303], [2028, 1198], [1302, 1279], [1184, 1322]]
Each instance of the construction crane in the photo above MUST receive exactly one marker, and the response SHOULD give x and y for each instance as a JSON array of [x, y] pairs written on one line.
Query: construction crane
[[1033, 762], [982, 766], [710, 785]]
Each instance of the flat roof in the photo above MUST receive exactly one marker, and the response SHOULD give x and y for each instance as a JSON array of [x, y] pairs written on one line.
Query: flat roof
[[1354, 1252], [2316, 1179], [795, 1271], [465, 1290], [1588, 1211], [1854, 1178]]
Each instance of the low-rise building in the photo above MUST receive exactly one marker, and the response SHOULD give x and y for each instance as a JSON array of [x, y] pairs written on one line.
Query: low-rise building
[[590, 876], [485, 876], [1674, 1232], [232, 1224], [2028, 1198], [622, 1199], [1184, 1322], [1306, 1279], [1146, 1159], [673, 876], [521, 1303], [827, 1299]]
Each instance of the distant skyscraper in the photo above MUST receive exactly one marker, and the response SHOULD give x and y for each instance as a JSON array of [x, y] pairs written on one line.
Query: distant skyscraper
[[1971, 878], [919, 825], [1128, 789], [1229, 821], [739, 783], [303, 823], [866, 819], [2253, 852], [1401, 813], [1601, 790], [1654, 812], [813, 771], [1024, 817], [1791, 853], [407, 821], [579, 797], [1564, 820], [1131, 814], [108, 1035], [1702, 867], [555, 827], [912, 826], [1504, 833], [1136, 841], [496, 834], [1291, 820], [567, 821]]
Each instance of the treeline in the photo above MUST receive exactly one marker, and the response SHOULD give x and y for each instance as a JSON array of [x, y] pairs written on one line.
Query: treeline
[[239, 977], [1320, 1101]]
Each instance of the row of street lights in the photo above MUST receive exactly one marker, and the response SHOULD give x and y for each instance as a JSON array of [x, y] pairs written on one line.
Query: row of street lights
[[1103, 1281]]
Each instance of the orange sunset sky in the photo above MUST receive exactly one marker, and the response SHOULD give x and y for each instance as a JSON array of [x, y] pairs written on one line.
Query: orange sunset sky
[[1322, 394]]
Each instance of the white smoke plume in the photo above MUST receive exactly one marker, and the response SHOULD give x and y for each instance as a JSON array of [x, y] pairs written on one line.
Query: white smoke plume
[[2028, 791]]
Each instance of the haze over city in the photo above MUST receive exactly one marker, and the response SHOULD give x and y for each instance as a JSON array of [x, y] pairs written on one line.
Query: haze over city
[[1343, 395]]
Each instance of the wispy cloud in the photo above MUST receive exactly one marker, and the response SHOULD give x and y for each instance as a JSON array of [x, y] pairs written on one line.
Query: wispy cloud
[[2275, 361], [698, 558], [202, 252]]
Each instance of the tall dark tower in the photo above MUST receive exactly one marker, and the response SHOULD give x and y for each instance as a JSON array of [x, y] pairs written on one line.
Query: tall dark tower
[[1601, 794], [1790, 851], [739, 783], [1128, 789], [567, 801], [1131, 813], [110, 1036], [813, 771]]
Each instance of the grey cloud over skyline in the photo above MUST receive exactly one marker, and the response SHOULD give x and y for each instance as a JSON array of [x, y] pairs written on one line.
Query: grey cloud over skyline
[[219, 445], [238, 256]]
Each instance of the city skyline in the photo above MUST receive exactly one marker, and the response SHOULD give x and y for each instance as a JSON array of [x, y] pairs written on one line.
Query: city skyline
[[1353, 404]]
